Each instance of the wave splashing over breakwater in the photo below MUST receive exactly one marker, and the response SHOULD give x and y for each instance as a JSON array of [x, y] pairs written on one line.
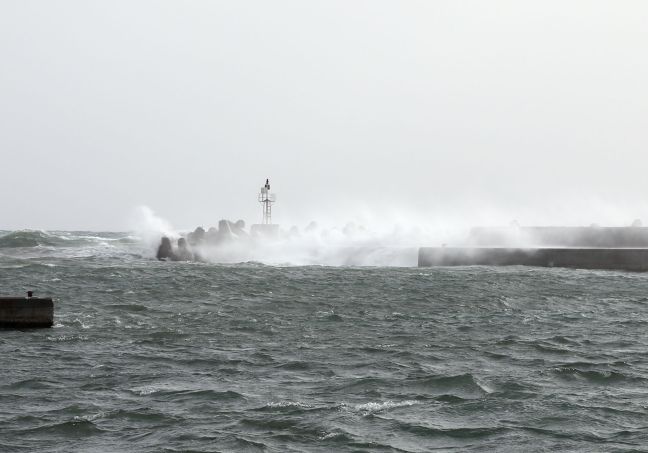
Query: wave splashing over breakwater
[[147, 355], [348, 245]]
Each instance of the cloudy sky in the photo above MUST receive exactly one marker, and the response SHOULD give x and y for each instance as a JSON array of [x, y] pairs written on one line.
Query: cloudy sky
[[472, 110]]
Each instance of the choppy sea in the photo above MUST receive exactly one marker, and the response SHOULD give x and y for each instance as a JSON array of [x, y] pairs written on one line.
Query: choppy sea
[[152, 356]]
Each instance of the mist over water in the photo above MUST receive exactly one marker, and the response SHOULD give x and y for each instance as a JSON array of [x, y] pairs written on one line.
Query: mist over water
[[382, 241], [350, 244], [389, 240]]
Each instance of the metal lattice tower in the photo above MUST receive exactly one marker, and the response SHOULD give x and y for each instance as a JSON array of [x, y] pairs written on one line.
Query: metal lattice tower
[[266, 198]]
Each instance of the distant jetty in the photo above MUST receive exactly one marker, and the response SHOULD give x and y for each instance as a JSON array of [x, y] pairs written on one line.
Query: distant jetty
[[621, 248]]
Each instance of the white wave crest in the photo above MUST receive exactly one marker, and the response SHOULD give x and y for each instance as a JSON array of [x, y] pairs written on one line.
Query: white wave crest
[[384, 405]]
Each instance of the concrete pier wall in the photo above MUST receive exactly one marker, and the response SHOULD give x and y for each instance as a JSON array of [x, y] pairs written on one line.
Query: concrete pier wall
[[630, 259], [23, 312]]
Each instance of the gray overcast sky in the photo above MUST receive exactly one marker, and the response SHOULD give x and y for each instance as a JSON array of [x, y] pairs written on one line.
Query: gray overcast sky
[[465, 109]]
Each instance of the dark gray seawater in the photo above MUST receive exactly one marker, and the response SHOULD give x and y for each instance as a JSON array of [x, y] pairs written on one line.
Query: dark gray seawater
[[148, 356]]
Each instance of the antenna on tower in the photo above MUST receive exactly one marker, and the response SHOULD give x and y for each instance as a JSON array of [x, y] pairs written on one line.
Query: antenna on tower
[[266, 199]]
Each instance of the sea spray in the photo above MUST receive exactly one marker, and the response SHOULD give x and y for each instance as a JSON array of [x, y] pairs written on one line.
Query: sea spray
[[347, 245]]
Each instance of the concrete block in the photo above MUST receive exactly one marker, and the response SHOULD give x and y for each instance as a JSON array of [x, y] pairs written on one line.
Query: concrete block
[[26, 312]]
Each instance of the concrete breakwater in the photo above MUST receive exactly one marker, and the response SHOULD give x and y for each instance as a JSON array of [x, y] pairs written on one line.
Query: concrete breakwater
[[26, 312], [630, 259]]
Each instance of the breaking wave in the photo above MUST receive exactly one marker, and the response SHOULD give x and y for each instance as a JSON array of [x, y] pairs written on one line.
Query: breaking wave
[[349, 244]]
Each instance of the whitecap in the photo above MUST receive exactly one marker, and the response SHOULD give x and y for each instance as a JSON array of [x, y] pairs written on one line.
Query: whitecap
[[90, 417], [289, 404], [485, 387], [385, 345], [68, 338], [379, 406], [145, 390], [327, 436]]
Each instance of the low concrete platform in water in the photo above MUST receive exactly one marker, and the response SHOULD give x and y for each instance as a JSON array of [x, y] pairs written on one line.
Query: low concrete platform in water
[[629, 259], [26, 312]]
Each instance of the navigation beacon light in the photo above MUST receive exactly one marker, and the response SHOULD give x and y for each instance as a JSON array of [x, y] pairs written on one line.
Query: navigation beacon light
[[266, 199]]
